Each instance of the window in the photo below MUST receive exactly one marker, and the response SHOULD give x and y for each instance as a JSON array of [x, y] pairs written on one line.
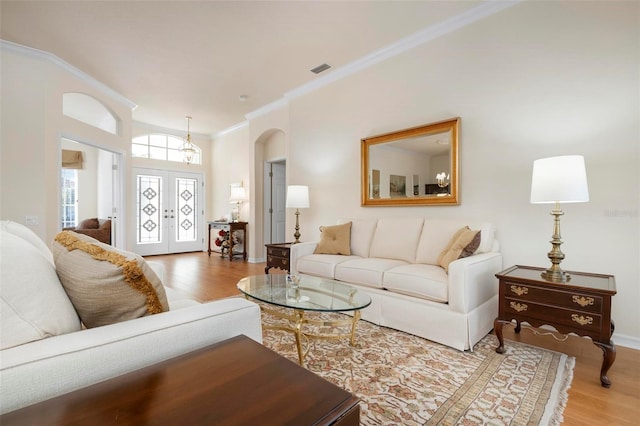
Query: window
[[161, 147], [69, 202]]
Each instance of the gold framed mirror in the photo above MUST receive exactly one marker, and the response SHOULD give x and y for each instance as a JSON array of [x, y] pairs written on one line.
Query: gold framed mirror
[[416, 166]]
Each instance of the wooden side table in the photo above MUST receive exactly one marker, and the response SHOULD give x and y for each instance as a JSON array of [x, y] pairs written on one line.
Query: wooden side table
[[230, 227], [278, 256], [581, 306]]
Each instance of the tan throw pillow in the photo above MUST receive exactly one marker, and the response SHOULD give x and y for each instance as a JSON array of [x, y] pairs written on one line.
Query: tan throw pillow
[[466, 243], [335, 240], [106, 285], [451, 243]]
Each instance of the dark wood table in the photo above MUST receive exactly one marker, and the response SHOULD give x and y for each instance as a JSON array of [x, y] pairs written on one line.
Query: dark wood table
[[581, 306], [278, 256], [230, 228], [235, 382]]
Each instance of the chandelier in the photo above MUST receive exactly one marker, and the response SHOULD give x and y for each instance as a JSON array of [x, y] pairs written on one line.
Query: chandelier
[[188, 152]]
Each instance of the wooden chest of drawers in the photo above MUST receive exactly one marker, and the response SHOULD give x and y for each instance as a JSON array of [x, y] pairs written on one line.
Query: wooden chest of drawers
[[581, 306], [278, 256]]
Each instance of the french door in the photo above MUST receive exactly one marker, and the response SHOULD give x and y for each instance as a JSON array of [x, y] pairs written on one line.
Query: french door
[[168, 211]]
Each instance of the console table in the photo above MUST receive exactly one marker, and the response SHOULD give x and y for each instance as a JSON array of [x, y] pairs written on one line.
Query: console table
[[230, 228], [581, 306], [278, 256]]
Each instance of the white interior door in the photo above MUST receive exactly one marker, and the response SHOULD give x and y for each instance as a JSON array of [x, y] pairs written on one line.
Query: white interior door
[[168, 211], [274, 202]]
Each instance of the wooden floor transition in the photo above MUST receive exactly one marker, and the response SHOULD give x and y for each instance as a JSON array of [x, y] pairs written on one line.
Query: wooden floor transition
[[208, 278]]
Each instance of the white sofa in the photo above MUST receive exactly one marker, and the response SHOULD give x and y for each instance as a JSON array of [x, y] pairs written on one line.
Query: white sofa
[[395, 261], [58, 361]]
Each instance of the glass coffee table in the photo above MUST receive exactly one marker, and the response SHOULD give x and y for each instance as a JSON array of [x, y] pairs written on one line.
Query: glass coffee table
[[305, 293]]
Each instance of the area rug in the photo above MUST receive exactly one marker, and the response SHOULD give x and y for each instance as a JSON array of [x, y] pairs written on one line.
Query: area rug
[[405, 380]]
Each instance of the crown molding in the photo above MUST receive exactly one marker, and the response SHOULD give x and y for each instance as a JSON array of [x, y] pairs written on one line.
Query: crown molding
[[273, 106], [230, 129], [423, 36], [41, 54]]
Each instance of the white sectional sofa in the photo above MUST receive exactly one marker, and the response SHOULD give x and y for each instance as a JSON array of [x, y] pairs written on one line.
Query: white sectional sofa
[[60, 356], [395, 261]]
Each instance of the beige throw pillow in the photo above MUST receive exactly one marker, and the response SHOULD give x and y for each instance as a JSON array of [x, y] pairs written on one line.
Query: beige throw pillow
[[463, 244], [335, 240], [106, 285]]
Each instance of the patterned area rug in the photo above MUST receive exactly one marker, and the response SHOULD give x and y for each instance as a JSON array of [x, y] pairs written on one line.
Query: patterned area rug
[[403, 379]]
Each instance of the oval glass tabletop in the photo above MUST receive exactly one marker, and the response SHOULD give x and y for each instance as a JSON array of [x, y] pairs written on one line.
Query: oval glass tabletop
[[310, 293]]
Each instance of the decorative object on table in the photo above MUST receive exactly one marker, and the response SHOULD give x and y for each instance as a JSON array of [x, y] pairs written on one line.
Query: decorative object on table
[[558, 180], [404, 379], [238, 196], [297, 198], [187, 149]]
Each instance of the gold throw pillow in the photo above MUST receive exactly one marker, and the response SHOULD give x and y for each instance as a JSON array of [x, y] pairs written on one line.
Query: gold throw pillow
[[335, 240]]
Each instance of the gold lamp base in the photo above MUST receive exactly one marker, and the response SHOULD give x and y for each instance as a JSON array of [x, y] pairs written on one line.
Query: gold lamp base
[[297, 233], [555, 273]]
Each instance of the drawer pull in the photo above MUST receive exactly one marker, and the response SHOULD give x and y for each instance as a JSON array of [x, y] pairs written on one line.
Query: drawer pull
[[518, 307], [582, 320], [583, 301], [284, 261], [519, 290]]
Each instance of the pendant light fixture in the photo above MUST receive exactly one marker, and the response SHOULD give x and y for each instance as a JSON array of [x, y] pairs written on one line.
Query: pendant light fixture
[[188, 152]]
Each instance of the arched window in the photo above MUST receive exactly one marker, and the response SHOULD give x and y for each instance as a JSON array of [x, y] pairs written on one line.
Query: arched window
[[90, 111], [162, 147]]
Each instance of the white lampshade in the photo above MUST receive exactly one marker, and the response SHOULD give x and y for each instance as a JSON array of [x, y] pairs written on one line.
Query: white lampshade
[[559, 179], [298, 196], [238, 194]]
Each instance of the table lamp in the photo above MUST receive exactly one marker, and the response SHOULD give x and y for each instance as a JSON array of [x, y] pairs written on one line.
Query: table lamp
[[238, 196], [297, 198], [558, 180]]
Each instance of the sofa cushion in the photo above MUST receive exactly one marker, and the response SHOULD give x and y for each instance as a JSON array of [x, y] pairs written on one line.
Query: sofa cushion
[[33, 302], [418, 280], [397, 238], [321, 265], [28, 235], [361, 235], [335, 239], [368, 271], [437, 233], [466, 243], [106, 285]]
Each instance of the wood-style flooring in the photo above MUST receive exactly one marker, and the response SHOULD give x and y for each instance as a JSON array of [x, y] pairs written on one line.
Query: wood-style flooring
[[209, 278]]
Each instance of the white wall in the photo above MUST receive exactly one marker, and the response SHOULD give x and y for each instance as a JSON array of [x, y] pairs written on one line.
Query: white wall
[[538, 79], [32, 128]]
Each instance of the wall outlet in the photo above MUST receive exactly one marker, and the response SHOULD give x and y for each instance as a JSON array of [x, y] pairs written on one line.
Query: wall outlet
[[31, 220]]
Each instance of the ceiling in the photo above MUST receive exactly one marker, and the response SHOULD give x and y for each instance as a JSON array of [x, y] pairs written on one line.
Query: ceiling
[[178, 58]]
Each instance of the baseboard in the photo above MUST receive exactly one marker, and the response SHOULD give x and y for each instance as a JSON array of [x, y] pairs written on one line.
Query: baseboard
[[626, 341]]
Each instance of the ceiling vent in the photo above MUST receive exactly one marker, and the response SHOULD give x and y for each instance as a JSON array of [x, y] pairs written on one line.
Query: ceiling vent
[[320, 68]]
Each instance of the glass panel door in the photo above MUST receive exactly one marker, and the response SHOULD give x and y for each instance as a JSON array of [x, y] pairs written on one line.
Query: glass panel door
[[168, 212]]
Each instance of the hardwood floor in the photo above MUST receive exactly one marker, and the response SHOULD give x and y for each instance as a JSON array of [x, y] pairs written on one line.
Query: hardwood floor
[[208, 278]]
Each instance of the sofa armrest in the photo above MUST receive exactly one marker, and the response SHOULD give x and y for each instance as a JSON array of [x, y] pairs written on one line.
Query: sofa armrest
[[297, 251], [40, 370], [472, 281]]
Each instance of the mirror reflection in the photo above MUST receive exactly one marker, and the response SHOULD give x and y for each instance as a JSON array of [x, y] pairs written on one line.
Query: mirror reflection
[[416, 166]]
